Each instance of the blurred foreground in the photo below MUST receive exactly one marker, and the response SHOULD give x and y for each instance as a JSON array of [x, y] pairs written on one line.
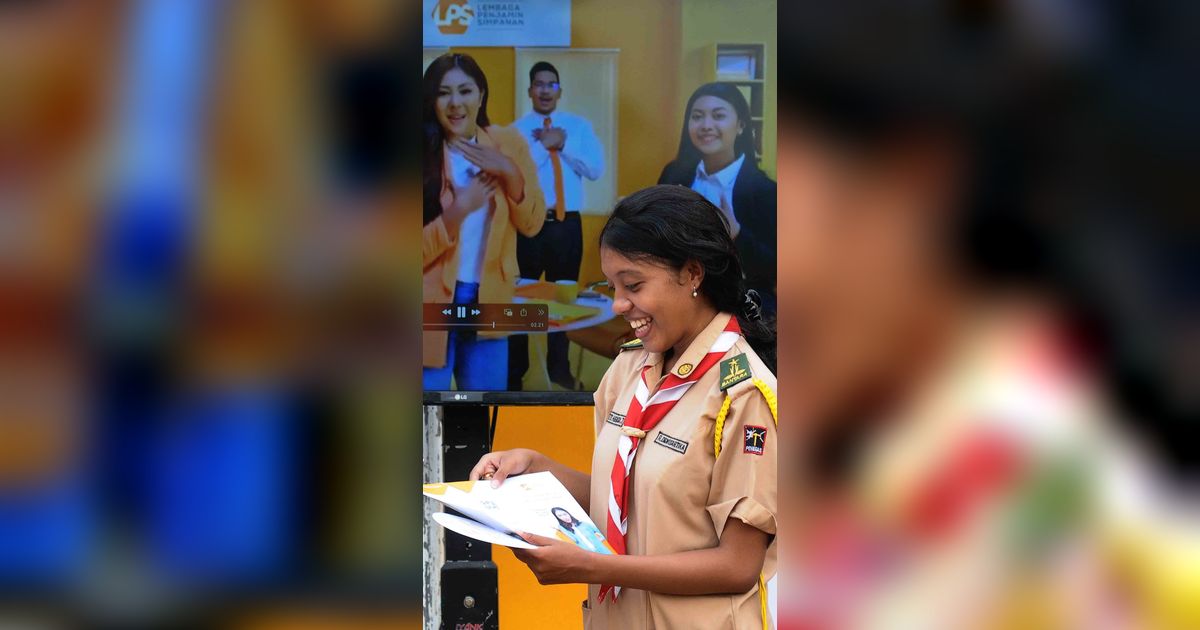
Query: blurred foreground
[[208, 396], [989, 339]]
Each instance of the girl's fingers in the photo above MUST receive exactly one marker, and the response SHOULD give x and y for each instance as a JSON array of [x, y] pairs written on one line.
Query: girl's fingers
[[484, 469]]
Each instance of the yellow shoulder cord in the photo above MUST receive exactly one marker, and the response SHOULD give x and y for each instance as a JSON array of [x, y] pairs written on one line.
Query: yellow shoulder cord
[[719, 428], [762, 598], [718, 431], [770, 396]]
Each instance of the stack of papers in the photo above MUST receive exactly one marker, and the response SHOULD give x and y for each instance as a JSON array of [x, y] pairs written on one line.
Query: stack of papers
[[537, 504]]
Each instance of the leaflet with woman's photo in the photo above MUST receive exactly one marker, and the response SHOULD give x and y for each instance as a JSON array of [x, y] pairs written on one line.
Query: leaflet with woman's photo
[[536, 503]]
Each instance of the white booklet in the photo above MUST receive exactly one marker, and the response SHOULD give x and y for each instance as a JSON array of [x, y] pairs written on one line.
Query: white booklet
[[537, 503]]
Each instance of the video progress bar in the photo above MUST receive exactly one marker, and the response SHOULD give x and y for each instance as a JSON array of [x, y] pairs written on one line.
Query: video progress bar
[[511, 317]]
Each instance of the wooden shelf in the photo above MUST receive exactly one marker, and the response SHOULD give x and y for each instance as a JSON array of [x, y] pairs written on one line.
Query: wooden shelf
[[744, 65], [739, 62]]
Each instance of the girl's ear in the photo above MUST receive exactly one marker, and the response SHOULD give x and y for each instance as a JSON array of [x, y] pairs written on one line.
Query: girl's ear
[[693, 273]]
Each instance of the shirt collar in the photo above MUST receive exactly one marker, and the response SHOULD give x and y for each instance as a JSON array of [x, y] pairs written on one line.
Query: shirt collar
[[695, 351], [558, 118], [473, 140], [725, 176]]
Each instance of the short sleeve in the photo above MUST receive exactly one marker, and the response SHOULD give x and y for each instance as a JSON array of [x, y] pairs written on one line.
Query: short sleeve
[[744, 481]]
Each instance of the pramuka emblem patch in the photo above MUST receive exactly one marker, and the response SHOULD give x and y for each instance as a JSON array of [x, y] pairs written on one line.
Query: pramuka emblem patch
[[755, 439]]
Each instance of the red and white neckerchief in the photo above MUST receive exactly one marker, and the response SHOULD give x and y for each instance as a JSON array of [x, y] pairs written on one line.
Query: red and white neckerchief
[[645, 412]]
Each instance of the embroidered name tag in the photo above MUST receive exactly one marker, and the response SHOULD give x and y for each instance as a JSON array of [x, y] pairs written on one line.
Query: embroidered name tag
[[756, 439], [675, 444], [616, 419]]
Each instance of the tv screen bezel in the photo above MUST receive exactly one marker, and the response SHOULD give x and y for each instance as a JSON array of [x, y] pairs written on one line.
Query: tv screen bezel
[[508, 398]]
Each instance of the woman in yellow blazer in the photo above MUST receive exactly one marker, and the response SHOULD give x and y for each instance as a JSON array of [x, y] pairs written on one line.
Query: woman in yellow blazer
[[480, 191]]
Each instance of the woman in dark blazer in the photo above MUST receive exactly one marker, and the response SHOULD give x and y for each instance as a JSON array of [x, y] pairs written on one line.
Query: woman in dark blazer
[[716, 159]]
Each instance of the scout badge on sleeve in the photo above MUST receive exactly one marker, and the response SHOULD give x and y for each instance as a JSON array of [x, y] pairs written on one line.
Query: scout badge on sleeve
[[755, 439]]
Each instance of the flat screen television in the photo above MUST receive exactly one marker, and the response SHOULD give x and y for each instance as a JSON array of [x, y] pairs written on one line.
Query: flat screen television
[[516, 313]]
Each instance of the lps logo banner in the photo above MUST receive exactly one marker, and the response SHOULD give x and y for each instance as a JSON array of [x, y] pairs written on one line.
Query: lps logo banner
[[497, 23], [452, 17]]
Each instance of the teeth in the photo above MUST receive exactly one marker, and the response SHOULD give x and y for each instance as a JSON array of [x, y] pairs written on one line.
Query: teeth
[[638, 323]]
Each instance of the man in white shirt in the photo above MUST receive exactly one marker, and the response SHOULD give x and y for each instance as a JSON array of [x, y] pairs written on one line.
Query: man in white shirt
[[565, 149]]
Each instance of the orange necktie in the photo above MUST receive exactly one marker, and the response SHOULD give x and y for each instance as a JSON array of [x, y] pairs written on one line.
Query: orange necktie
[[560, 201]]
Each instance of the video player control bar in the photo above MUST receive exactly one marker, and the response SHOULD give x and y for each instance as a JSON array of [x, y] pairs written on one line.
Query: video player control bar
[[498, 317]]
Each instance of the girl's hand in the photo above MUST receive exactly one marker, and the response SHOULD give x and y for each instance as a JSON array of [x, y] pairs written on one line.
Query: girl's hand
[[488, 160], [500, 465], [727, 210], [468, 199], [474, 195], [555, 561], [496, 164]]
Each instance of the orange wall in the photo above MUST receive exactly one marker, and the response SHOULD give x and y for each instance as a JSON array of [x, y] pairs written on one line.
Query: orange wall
[[648, 34], [567, 435]]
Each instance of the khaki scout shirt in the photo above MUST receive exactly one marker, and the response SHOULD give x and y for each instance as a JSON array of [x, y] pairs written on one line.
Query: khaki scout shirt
[[680, 501]]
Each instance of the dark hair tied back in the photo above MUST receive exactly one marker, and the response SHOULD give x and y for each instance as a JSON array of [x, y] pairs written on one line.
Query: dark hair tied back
[[672, 225], [753, 307]]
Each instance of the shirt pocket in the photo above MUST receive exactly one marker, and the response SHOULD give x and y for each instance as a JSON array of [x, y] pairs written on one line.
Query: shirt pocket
[[712, 612]]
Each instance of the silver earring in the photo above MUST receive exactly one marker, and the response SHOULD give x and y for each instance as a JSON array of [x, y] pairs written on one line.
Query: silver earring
[[694, 293]]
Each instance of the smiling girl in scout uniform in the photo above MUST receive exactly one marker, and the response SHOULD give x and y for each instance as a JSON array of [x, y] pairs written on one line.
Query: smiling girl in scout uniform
[[683, 478]]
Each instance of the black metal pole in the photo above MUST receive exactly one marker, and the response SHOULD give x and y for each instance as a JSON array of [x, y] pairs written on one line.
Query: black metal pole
[[470, 597]]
